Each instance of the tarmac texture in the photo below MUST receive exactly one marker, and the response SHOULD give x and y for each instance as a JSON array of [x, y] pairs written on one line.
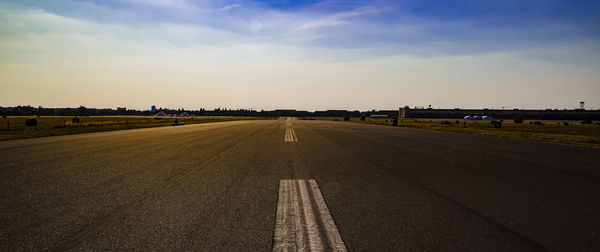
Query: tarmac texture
[[214, 187]]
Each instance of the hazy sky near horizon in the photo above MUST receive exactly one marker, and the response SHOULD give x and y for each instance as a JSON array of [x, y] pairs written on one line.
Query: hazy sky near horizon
[[309, 55]]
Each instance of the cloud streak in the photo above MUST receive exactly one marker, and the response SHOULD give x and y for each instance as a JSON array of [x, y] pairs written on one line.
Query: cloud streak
[[210, 54], [337, 18], [443, 29]]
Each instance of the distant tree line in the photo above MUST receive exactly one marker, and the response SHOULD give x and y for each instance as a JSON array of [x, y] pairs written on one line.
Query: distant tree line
[[83, 111], [547, 114]]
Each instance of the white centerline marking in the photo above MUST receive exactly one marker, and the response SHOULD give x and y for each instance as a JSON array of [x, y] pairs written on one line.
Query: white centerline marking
[[333, 236], [290, 135], [311, 227], [294, 137], [303, 221]]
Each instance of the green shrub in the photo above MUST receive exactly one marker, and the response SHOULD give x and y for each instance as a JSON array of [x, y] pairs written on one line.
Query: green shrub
[[31, 122], [518, 119]]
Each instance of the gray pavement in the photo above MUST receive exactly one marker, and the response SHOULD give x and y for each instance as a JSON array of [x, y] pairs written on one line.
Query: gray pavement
[[214, 187]]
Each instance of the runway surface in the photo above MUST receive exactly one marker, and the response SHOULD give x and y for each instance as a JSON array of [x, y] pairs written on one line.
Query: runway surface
[[217, 187]]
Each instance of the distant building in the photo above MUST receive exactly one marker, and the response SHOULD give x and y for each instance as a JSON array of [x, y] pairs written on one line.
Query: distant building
[[153, 109], [161, 114], [404, 112], [378, 116]]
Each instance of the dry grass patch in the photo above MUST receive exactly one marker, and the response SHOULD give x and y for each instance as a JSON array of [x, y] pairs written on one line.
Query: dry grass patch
[[576, 133], [13, 127]]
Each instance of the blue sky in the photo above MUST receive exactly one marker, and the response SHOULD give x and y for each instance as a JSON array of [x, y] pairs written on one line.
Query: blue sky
[[300, 54]]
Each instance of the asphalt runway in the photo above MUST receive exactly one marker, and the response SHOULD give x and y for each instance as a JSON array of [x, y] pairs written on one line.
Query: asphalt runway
[[216, 187]]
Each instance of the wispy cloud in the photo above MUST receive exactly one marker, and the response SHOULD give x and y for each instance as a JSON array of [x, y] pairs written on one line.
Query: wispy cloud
[[337, 18], [210, 50], [229, 7], [350, 24]]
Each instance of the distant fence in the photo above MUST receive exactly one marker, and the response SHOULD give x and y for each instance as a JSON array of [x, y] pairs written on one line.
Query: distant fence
[[502, 114]]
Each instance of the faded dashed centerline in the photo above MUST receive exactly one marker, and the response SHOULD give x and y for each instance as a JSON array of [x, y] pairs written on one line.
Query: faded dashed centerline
[[290, 136], [303, 221]]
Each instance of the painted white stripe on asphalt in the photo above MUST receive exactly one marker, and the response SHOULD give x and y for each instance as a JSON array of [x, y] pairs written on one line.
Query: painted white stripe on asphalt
[[294, 137], [297, 228], [333, 236], [301, 237], [290, 135], [284, 230], [311, 227]]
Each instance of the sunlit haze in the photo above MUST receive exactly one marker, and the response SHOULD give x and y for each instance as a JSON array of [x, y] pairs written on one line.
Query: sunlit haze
[[309, 55]]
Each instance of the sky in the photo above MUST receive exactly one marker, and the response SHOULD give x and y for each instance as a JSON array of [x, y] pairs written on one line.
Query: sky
[[306, 55]]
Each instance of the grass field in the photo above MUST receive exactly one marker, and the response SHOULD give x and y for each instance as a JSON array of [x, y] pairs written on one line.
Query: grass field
[[13, 127], [576, 133]]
